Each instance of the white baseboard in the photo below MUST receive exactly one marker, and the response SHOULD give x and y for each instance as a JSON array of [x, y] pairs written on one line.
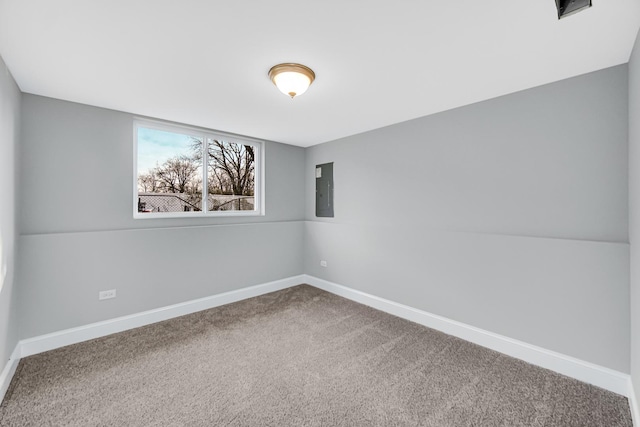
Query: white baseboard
[[9, 369], [600, 376], [606, 378], [633, 404], [59, 339]]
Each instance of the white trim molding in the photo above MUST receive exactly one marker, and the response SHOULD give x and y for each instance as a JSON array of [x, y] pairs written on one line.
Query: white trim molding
[[58, 339], [600, 376], [587, 372], [633, 404], [42, 343], [9, 370]]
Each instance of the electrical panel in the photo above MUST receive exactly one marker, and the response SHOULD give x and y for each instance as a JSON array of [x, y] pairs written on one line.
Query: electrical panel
[[324, 190]]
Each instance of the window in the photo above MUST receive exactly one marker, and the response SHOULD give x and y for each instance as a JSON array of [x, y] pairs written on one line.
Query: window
[[186, 172]]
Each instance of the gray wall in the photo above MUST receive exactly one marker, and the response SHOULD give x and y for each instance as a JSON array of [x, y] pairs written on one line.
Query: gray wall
[[634, 210], [509, 215], [9, 137], [78, 235], [77, 173]]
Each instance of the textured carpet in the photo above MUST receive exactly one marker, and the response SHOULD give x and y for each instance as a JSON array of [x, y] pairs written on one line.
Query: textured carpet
[[297, 357]]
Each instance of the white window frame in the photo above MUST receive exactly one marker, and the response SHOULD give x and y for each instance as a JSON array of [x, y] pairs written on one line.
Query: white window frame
[[259, 189]]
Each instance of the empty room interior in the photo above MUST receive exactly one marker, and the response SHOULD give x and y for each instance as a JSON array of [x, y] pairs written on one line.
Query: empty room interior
[[331, 214]]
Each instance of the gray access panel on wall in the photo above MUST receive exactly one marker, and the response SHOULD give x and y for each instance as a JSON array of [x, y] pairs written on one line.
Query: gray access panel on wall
[[324, 190]]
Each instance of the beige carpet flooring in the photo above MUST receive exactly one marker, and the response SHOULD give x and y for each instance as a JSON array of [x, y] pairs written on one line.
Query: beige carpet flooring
[[297, 357]]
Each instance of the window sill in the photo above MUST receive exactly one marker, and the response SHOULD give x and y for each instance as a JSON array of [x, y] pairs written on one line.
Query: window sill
[[215, 214]]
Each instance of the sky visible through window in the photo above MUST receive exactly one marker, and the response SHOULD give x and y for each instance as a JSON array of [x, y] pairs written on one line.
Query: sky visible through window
[[171, 174], [156, 146]]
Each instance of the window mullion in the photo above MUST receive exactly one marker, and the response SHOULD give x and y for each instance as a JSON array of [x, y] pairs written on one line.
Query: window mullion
[[205, 174]]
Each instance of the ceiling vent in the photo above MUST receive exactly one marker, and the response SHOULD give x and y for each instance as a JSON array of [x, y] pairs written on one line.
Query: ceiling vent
[[569, 7]]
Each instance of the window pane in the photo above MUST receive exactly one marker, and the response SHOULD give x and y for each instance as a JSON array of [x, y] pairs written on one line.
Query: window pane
[[231, 176], [169, 172]]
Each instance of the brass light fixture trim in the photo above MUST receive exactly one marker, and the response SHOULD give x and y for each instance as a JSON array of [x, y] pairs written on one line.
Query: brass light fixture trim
[[299, 70]]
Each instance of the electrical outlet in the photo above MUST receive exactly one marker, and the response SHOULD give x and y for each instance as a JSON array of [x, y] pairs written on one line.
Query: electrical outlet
[[111, 293], [323, 263]]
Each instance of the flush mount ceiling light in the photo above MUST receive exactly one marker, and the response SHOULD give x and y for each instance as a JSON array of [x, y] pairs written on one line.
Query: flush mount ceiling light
[[292, 79]]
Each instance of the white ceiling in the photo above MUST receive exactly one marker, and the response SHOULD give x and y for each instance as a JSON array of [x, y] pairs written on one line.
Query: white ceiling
[[205, 62]]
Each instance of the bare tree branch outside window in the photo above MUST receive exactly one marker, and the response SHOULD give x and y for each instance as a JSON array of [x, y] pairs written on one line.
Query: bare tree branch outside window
[[230, 179]]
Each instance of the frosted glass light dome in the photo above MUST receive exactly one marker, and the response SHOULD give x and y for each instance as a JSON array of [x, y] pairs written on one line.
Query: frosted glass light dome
[[292, 79]]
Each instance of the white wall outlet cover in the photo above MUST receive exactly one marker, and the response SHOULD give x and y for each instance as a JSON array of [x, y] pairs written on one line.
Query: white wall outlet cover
[[111, 293], [323, 263]]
